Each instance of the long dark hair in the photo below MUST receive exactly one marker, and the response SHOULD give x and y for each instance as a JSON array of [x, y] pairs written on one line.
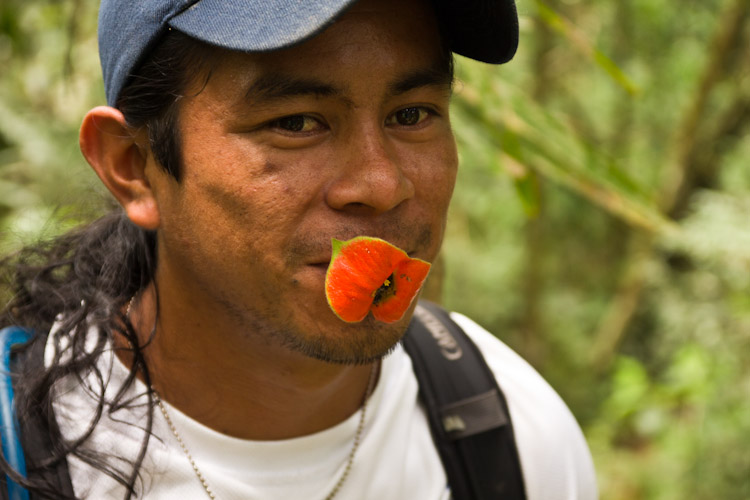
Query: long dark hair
[[82, 281]]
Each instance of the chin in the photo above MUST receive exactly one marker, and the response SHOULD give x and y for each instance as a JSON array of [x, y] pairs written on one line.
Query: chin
[[351, 343]]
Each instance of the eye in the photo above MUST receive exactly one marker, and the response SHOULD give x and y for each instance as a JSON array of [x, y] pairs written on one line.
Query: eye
[[408, 117], [297, 123]]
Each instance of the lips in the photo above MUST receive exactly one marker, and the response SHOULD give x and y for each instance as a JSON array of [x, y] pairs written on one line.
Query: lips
[[325, 260]]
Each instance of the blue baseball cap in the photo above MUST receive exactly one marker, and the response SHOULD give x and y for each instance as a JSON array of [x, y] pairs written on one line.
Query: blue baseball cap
[[485, 30]]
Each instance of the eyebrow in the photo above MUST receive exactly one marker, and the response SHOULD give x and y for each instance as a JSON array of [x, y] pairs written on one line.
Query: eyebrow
[[278, 86], [275, 86], [427, 77]]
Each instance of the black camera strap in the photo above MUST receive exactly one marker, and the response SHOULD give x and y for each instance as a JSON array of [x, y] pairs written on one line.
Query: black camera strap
[[468, 414]]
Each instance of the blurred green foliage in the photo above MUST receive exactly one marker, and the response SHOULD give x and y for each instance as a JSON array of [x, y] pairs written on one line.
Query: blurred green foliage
[[598, 226], [50, 78]]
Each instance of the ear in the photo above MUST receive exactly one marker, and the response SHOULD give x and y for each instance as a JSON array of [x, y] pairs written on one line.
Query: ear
[[112, 149]]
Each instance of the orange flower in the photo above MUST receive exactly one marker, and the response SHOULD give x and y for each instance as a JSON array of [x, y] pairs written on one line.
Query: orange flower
[[370, 275]]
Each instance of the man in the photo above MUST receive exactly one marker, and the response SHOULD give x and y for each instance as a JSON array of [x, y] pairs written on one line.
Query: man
[[193, 354]]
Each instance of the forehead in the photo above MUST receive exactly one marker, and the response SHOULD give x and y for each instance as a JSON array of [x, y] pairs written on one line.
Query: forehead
[[374, 35]]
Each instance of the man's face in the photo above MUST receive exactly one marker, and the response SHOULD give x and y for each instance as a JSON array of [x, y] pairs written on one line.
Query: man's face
[[346, 134]]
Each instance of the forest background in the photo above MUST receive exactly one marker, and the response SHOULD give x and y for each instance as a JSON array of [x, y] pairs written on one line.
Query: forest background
[[599, 225]]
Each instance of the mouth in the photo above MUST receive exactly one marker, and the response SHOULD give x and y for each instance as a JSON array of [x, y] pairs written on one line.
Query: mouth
[[319, 259], [322, 266]]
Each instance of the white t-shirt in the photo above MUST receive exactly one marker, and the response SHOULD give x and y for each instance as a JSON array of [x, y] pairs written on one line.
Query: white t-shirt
[[396, 459]]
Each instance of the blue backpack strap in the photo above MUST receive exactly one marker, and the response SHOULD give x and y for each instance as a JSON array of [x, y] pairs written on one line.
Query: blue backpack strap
[[27, 444], [467, 411], [11, 444]]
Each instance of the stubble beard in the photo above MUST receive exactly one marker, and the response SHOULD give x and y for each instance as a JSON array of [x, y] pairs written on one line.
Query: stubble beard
[[371, 343], [350, 344]]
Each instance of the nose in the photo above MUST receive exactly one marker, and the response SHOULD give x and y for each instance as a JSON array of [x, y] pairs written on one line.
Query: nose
[[371, 178]]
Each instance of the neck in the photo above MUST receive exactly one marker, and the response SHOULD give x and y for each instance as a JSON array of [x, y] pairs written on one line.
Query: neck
[[202, 371]]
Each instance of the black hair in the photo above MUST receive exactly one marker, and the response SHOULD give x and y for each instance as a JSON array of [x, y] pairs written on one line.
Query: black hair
[[83, 281], [151, 97]]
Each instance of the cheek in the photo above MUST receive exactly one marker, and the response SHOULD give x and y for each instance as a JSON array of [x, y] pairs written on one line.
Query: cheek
[[435, 176], [251, 222], [244, 184]]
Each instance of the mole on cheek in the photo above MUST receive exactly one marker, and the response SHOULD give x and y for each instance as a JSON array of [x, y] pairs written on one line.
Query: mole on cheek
[[270, 167]]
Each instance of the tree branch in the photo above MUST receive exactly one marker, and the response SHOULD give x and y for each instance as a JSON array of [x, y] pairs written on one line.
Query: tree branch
[[676, 186]]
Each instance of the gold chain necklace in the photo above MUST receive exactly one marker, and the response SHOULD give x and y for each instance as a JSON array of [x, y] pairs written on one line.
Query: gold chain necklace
[[202, 478], [347, 467]]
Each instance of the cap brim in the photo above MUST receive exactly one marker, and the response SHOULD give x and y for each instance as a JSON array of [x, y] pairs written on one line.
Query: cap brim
[[485, 30]]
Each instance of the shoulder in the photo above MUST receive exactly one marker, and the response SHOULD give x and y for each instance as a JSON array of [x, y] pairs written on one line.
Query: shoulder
[[553, 451]]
